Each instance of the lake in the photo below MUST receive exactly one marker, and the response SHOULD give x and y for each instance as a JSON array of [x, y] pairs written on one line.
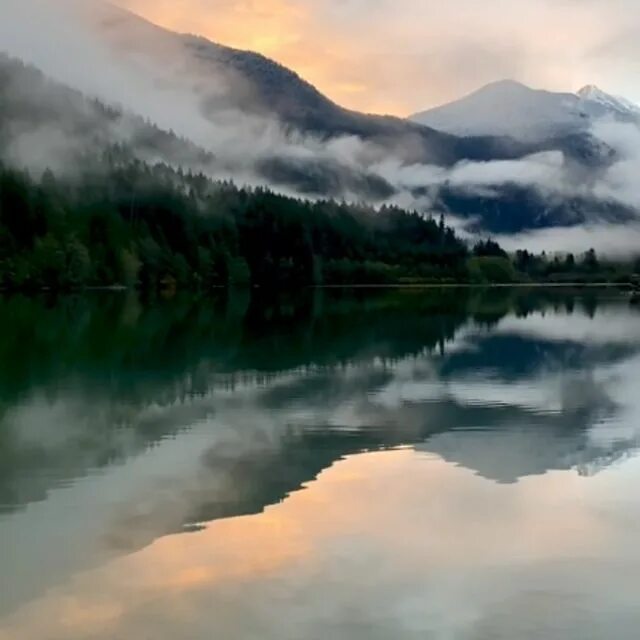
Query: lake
[[452, 465]]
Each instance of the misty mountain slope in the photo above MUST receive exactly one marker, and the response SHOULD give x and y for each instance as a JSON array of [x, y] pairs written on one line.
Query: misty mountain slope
[[46, 125], [509, 108], [514, 208], [43, 123], [226, 80], [274, 90]]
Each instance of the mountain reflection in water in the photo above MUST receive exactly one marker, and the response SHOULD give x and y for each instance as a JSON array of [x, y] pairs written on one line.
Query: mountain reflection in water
[[267, 431]]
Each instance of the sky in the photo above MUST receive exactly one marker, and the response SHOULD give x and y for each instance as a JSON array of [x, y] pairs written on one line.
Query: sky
[[402, 56]]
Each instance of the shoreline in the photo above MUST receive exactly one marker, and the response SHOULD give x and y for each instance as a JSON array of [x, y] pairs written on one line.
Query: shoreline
[[462, 285], [621, 287]]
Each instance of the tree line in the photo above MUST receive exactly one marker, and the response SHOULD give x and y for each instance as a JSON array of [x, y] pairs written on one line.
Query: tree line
[[128, 223], [121, 221]]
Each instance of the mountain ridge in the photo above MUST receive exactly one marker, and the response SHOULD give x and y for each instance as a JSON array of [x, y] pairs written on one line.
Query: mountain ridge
[[260, 86]]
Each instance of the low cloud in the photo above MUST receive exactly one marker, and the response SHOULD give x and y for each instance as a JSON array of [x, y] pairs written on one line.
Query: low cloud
[[541, 169], [621, 241], [620, 181]]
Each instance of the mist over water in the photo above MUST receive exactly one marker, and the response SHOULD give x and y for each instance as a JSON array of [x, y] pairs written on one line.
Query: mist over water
[[451, 463]]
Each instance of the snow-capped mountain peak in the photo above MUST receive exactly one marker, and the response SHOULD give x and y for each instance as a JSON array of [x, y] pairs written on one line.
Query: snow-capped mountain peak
[[592, 93], [509, 108]]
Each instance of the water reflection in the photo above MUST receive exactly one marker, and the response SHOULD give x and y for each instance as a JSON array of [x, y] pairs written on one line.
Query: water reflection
[[443, 555], [123, 422]]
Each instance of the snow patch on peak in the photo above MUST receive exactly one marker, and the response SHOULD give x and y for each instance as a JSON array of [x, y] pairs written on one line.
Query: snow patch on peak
[[592, 93]]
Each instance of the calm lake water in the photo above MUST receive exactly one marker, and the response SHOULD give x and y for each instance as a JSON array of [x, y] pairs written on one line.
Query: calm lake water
[[455, 465]]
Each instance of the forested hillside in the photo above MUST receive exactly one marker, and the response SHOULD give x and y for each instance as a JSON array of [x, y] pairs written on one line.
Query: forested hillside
[[42, 122], [129, 223]]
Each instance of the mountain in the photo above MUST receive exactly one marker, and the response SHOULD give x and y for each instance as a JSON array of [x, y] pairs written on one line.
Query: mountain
[[44, 123], [225, 79], [198, 105], [509, 108]]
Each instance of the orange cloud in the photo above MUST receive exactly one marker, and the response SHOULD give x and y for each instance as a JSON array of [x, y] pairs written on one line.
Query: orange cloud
[[400, 56], [292, 34]]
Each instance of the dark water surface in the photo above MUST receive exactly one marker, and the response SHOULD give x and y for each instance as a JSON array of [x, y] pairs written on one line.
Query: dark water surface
[[454, 465]]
